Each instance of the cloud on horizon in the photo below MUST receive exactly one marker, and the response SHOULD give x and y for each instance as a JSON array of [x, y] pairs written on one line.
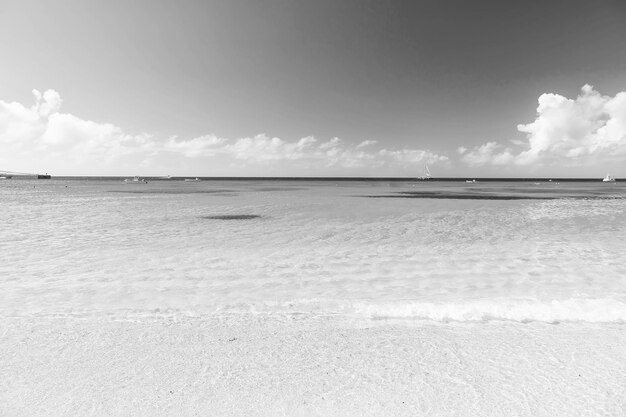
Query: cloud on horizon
[[41, 135], [568, 132]]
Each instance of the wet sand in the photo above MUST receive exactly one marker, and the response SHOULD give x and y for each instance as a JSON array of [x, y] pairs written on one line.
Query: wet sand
[[292, 365]]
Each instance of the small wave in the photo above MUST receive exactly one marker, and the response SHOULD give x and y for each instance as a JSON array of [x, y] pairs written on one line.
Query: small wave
[[572, 310], [605, 310], [476, 311]]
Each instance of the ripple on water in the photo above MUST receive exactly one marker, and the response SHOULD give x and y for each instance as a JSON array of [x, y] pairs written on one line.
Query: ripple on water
[[232, 217]]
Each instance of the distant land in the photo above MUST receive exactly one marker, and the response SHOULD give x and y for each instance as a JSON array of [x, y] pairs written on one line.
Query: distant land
[[364, 179]]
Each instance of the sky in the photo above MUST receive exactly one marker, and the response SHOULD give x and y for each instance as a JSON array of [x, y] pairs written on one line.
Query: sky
[[313, 88]]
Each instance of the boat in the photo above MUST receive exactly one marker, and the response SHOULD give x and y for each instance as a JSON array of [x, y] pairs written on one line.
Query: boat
[[426, 175], [192, 179], [470, 181], [7, 175], [135, 180], [608, 178]]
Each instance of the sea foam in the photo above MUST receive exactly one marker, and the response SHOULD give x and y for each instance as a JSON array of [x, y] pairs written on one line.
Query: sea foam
[[572, 310]]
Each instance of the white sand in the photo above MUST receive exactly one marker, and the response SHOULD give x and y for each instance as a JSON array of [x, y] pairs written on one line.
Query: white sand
[[254, 365]]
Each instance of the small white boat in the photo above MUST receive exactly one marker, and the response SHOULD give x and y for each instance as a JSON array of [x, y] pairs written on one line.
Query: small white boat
[[192, 179], [470, 181], [426, 175], [135, 180], [608, 178], [5, 177]]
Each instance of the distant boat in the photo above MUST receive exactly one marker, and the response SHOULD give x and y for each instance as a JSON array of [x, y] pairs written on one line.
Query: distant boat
[[470, 181], [426, 175], [135, 180], [7, 175], [608, 178], [192, 179]]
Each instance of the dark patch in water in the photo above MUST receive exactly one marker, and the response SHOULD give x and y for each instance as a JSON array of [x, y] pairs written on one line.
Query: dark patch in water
[[457, 196], [474, 196], [232, 217], [219, 192], [279, 189]]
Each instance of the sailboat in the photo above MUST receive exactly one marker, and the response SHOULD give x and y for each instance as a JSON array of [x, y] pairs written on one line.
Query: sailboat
[[426, 175], [608, 178], [135, 180]]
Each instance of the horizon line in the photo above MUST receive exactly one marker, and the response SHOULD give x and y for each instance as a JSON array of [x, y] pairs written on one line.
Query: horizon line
[[313, 178]]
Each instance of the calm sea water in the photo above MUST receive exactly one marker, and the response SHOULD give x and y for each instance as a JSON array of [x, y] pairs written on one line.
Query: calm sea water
[[420, 250]]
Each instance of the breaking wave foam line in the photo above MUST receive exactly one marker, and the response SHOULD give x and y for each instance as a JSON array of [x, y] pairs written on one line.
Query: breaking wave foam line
[[572, 310], [606, 310]]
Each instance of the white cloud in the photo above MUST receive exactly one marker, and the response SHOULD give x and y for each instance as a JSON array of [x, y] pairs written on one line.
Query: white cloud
[[44, 136], [580, 131], [331, 144], [490, 152], [47, 103], [206, 145], [262, 148], [366, 143], [412, 156]]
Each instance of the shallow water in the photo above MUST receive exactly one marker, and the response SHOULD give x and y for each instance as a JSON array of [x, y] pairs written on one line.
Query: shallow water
[[427, 250]]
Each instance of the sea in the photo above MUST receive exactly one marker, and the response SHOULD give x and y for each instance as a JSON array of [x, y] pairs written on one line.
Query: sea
[[373, 249], [312, 297]]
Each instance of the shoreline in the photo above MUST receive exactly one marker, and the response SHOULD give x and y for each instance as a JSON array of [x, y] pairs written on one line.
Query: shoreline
[[192, 177], [303, 365]]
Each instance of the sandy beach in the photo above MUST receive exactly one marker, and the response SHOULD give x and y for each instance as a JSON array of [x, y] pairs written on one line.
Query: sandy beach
[[325, 366]]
